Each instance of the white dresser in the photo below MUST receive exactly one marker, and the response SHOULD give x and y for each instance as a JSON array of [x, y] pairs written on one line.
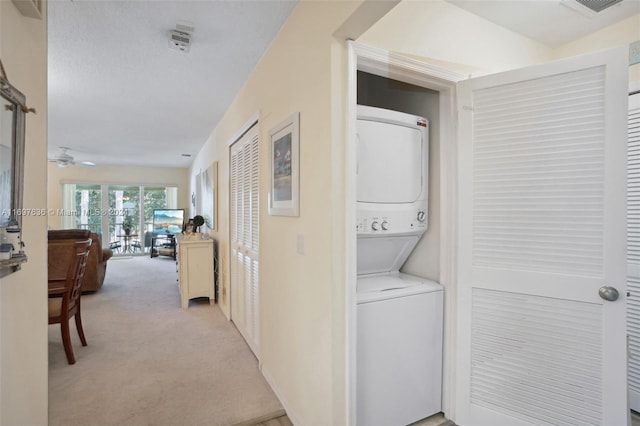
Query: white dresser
[[195, 269]]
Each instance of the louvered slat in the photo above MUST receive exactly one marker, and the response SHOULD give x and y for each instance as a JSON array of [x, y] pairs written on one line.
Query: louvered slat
[[255, 195], [248, 298], [633, 255], [234, 194], [633, 190], [539, 173], [255, 288], [633, 329], [523, 356], [246, 196]]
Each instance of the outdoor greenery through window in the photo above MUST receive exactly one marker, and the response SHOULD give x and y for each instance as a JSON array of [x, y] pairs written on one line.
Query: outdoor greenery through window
[[122, 213], [88, 199]]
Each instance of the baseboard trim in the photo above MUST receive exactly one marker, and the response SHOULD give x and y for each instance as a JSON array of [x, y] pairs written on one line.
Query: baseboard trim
[[261, 419], [287, 407]]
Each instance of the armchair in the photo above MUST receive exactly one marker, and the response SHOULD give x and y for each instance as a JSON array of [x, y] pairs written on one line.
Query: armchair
[[61, 251]]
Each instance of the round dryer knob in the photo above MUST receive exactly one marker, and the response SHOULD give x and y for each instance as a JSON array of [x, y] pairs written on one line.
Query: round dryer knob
[[375, 225], [421, 216], [385, 225]]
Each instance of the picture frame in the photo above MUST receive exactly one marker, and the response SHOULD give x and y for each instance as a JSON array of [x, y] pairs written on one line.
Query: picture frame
[[197, 207], [209, 187], [188, 227], [284, 175]]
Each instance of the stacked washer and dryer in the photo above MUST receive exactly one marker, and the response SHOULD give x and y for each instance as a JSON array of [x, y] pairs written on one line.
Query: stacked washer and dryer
[[399, 316]]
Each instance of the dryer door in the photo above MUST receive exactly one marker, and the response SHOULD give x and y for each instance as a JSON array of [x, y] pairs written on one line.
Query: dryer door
[[390, 163]]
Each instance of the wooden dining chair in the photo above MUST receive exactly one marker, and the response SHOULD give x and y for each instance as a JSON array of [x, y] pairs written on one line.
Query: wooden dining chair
[[61, 309]]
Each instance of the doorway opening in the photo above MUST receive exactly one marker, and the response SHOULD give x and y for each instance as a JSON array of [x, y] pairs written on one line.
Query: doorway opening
[[387, 80]]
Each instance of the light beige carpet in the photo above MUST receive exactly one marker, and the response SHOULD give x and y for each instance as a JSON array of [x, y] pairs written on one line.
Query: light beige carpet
[[149, 362]]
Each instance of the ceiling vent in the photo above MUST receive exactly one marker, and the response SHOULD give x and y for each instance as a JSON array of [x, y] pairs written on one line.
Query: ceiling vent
[[590, 8], [179, 41], [180, 38], [598, 5]]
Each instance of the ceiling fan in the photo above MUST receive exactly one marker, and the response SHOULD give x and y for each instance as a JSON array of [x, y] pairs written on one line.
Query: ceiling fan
[[65, 159]]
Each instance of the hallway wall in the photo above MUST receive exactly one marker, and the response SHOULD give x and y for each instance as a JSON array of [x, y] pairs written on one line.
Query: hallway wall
[[23, 295], [303, 348]]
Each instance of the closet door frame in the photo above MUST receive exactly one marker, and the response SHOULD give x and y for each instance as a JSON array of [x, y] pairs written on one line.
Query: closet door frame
[[240, 316]]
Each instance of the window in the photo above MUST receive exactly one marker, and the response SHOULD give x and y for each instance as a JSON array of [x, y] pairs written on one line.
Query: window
[[123, 213]]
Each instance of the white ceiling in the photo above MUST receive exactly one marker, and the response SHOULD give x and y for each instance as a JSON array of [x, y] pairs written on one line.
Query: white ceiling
[[551, 22], [119, 95]]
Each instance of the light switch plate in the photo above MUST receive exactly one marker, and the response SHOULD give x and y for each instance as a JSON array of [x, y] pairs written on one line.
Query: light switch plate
[[300, 244]]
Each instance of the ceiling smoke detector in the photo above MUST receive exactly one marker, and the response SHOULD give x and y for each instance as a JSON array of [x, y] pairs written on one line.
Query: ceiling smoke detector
[[180, 38]]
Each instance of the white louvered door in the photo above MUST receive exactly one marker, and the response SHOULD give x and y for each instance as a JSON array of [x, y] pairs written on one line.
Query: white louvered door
[[633, 252], [542, 228], [245, 234]]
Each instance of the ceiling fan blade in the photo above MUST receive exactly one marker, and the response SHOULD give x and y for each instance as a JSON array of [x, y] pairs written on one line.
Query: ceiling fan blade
[[64, 159]]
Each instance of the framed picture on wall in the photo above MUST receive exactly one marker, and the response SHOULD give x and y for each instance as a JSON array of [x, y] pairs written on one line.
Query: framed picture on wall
[[197, 208], [209, 187], [284, 193]]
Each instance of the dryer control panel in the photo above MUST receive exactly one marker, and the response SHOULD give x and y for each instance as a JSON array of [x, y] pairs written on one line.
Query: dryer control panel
[[400, 222]]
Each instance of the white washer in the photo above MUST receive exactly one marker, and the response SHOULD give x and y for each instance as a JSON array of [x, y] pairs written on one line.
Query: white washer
[[399, 349]]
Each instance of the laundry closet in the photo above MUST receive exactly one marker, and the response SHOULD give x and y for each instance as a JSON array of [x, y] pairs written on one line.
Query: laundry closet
[[399, 299], [532, 189]]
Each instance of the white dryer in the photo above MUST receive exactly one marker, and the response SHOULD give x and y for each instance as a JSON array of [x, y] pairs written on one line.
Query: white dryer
[[392, 172], [399, 317]]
